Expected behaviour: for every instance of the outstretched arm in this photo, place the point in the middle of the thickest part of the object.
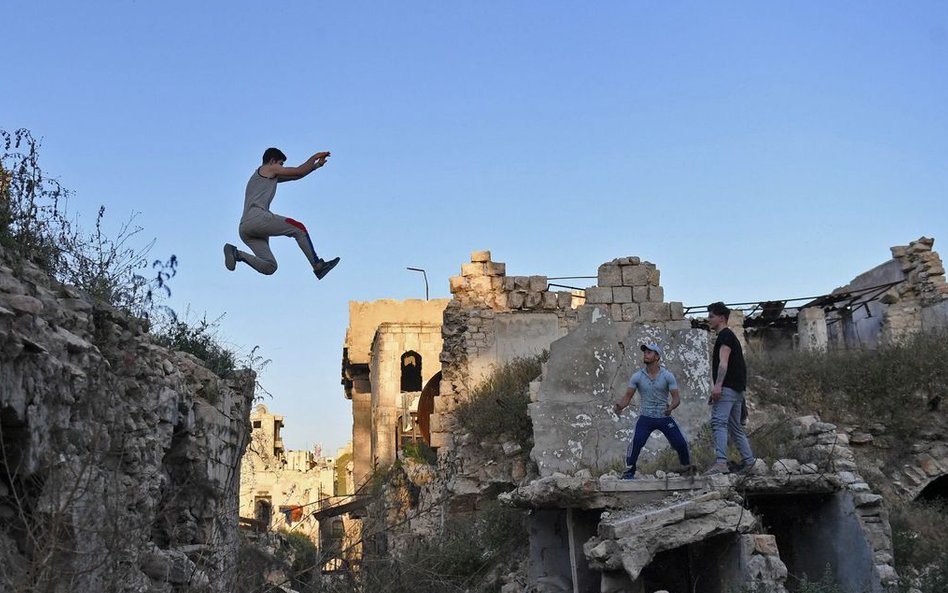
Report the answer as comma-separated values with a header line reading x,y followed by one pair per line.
x,y
293,173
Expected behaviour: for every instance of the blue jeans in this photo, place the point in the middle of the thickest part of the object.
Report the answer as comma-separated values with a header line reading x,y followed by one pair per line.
x,y
725,421
644,427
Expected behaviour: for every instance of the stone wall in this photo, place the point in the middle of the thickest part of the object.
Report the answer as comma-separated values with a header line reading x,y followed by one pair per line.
x,y
492,319
917,303
119,459
379,333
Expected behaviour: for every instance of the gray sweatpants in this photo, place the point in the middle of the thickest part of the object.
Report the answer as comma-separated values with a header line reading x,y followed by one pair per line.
x,y
256,230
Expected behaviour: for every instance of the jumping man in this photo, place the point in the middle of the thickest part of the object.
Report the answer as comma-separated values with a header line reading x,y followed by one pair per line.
x,y
258,224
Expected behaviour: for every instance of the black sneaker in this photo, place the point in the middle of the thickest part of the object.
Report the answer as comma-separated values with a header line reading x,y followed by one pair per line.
x,y
628,474
323,267
230,256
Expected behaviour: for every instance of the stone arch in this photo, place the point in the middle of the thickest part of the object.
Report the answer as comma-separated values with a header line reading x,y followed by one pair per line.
x,y
410,371
426,406
922,470
263,512
935,490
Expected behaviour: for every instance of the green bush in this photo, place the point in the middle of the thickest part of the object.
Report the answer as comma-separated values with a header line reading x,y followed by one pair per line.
x,y
201,340
35,227
458,560
498,406
920,544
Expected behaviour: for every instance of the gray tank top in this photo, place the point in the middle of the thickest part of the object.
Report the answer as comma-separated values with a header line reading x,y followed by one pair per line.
x,y
260,192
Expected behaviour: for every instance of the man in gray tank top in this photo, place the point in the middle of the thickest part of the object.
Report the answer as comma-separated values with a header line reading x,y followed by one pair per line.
x,y
258,224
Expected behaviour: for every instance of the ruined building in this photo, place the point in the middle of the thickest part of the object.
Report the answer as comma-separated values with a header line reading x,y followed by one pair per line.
x,y
591,532
282,489
390,370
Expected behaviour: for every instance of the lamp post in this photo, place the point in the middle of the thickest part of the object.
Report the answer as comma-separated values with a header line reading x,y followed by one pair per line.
x,y
426,279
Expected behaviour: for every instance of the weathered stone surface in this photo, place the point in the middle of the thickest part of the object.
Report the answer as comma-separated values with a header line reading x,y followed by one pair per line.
x,y
149,439
610,275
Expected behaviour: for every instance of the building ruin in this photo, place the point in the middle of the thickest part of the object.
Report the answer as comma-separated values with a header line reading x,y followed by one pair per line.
x,y
592,339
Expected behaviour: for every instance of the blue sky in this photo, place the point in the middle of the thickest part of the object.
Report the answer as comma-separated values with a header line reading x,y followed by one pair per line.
x,y
751,150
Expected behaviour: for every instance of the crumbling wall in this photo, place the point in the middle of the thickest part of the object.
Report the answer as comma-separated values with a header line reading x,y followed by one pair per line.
x,y
919,302
119,459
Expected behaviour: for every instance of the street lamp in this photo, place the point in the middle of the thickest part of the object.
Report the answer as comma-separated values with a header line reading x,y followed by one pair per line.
x,y
426,279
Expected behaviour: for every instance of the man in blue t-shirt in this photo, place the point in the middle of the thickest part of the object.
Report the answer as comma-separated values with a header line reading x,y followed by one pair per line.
x,y
655,384
729,380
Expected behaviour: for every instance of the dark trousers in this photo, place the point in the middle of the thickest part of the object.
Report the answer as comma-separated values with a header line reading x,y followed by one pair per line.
x,y
644,427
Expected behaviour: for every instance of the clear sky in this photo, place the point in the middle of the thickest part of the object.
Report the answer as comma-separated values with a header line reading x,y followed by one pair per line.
x,y
751,150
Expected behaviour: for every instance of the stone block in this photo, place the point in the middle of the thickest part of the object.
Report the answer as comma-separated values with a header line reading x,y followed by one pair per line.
x,y
508,283
473,269
598,295
656,294
677,310
653,276
549,300
655,311
610,275
500,300
522,282
765,544
496,283
481,284
634,276
615,311
441,440
532,300
640,294
630,311
480,256
538,283
496,269
563,299
515,299
621,294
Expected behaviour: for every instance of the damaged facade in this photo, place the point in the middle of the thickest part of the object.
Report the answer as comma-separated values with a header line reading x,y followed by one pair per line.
x,y
591,533
281,489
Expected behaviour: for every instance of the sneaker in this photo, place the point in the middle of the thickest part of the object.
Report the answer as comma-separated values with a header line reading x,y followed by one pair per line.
x,y
230,256
717,468
323,267
748,467
628,474
686,470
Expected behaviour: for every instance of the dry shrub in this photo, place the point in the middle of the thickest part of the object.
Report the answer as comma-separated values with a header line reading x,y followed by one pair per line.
x,y
497,408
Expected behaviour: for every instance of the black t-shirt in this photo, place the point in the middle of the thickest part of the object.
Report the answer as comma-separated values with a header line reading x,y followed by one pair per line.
x,y
736,376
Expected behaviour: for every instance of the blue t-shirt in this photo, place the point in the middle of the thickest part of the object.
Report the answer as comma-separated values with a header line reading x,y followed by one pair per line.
x,y
653,392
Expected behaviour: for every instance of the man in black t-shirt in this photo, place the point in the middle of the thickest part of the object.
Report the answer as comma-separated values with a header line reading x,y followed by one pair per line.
x,y
729,376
